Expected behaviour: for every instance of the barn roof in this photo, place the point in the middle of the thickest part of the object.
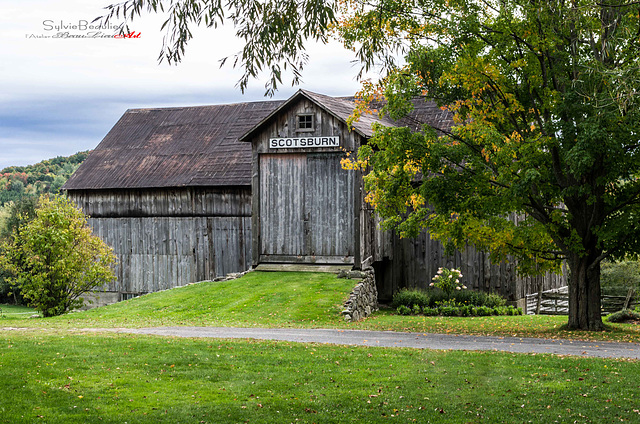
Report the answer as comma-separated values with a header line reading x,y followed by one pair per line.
x,y
174,147
199,146
340,107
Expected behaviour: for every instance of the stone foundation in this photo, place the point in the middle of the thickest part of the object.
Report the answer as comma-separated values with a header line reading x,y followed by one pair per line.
x,y
363,300
99,298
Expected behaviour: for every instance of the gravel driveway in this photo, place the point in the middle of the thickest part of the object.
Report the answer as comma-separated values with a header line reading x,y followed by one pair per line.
x,y
396,339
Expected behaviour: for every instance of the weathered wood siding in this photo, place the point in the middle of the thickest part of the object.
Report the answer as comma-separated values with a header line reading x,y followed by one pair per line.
x,y
414,262
160,253
281,203
304,202
166,239
231,201
329,206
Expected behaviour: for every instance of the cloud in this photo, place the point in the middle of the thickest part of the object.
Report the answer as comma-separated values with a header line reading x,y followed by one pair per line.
x,y
61,96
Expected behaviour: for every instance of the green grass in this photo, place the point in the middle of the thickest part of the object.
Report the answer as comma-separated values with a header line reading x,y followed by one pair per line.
x,y
14,313
80,378
265,299
542,326
302,300
60,375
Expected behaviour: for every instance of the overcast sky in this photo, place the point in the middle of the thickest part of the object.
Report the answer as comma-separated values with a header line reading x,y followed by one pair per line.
x,y
59,96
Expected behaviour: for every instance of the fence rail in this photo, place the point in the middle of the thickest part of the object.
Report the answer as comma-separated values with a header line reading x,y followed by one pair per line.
x,y
556,302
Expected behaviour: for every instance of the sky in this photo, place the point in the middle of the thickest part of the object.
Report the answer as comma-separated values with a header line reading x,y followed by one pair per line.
x,y
60,95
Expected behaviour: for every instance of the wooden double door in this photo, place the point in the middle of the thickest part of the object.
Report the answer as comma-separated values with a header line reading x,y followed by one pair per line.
x,y
306,208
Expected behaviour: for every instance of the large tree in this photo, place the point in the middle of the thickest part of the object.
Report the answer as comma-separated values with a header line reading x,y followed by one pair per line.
x,y
544,95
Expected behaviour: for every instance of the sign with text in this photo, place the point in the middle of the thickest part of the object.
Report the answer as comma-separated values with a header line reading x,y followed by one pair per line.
x,y
304,142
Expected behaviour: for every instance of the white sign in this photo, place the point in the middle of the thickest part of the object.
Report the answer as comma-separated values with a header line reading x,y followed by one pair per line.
x,y
304,142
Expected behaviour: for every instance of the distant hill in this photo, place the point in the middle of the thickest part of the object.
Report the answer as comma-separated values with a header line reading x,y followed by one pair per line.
x,y
47,176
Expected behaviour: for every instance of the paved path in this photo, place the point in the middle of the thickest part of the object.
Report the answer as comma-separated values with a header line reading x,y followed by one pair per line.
x,y
396,339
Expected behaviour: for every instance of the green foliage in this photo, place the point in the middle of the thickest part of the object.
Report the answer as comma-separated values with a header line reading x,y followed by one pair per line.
x,y
404,310
617,278
410,297
623,316
54,258
493,300
448,280
544,100
464,303
48,176
16,215
482,311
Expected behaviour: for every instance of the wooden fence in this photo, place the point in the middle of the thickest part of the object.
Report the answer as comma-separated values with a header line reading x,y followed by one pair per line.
x,y
556,302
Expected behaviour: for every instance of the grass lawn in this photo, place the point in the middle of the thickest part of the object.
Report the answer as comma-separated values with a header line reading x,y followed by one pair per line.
x,y
15,312
79,378
55,374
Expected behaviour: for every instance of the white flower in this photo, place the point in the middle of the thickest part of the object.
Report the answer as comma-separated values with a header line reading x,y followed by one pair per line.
x,y
457,281
431,285
464,287
450,276
439,271
460,275
458,288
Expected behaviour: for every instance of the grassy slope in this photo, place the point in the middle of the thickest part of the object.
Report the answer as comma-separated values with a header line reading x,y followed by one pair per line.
x,y
258,299
297,300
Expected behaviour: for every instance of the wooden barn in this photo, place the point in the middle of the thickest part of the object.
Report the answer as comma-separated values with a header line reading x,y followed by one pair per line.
x,y
190,194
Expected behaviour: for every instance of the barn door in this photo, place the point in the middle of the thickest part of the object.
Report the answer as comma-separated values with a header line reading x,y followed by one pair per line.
x,y
282,204
306,209
329,206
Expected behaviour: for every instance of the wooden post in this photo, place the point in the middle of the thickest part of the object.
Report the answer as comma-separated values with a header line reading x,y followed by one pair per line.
x,y
628,299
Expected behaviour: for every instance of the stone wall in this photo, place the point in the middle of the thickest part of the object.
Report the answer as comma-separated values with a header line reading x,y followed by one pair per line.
x,y
363,299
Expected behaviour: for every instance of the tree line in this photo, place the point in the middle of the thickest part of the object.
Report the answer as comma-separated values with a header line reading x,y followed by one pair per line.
x,y
48,176
48,256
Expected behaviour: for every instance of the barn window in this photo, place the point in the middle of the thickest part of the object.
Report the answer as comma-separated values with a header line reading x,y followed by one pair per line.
x,y
304,122
127,296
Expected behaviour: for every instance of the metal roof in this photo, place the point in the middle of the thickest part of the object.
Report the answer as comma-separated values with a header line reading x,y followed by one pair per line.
x,y
174,147
199,146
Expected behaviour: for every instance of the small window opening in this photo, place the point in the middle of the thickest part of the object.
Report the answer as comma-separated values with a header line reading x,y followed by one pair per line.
x,y
127,296
305,122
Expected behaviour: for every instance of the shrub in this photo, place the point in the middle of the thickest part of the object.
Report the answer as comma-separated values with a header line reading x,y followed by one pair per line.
x,y
430,312
17,214
623,316
403,310
55,259
470,297
501,310
461,303
449,311
436,297
410,297
482,311
616,278
448,280
493,300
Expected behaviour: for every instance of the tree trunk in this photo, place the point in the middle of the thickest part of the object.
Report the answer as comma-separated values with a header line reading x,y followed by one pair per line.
x,y
584,293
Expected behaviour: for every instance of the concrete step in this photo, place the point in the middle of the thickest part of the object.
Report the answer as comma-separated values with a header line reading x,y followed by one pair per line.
x,y
334,269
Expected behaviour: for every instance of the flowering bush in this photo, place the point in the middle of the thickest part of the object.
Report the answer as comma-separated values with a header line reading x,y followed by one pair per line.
x,y
448,280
